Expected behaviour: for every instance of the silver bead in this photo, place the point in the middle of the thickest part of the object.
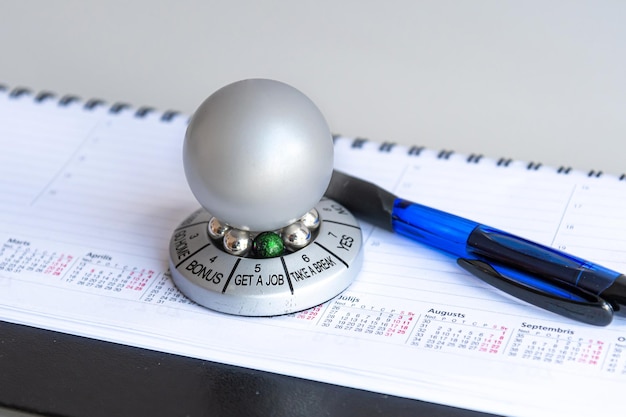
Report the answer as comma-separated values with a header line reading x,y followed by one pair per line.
x,y
216,228
311,220
296,236
237,242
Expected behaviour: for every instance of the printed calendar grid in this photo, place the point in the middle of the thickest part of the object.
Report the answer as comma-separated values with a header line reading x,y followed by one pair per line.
x,y
345,314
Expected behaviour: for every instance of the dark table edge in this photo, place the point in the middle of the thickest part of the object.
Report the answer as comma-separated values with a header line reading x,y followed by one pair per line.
x,y
58,374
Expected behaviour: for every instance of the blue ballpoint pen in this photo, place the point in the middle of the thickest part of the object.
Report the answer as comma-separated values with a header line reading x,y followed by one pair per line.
x,y
537,274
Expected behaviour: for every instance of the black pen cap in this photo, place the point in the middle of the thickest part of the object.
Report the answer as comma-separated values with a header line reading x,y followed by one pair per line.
x,y
616,294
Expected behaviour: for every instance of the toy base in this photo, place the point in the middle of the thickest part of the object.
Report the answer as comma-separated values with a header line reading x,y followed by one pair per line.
x,y
296,281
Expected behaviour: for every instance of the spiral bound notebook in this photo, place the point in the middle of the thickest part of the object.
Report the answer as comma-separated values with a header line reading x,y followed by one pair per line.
x,y
91,192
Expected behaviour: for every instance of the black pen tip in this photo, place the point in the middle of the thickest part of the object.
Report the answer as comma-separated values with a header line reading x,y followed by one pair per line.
x,y
364,199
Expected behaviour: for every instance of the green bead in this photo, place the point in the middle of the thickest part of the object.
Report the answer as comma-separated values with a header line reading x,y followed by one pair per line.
x,y
268,245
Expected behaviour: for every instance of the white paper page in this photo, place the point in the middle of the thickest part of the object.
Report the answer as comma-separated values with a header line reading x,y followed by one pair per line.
x,y
89,200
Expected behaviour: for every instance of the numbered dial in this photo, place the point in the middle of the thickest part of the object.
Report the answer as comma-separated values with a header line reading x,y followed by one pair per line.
x,y
273,286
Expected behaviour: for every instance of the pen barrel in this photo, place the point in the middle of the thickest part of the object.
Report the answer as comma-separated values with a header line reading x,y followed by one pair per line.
x,y
468,239
542,261
432,227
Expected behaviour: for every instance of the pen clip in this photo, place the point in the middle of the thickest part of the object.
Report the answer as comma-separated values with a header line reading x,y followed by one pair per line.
x,y
555,296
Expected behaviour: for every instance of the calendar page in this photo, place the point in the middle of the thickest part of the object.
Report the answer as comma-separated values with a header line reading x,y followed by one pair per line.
x,y
90,200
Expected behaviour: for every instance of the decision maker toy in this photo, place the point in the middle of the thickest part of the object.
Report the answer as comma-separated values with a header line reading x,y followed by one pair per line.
x,y
258,156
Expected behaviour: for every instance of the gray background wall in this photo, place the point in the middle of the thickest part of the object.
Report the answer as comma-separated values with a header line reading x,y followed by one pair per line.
x,y
531,80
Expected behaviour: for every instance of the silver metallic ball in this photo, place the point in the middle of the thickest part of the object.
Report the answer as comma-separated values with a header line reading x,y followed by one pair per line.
x,y
296,236
216,228
311,219
258,154
237,242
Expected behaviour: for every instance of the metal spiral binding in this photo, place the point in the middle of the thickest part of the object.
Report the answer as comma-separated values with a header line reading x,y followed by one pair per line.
x,y
504,162
88,105
444,154
358,143
169,115
415,150
386,147
533,166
